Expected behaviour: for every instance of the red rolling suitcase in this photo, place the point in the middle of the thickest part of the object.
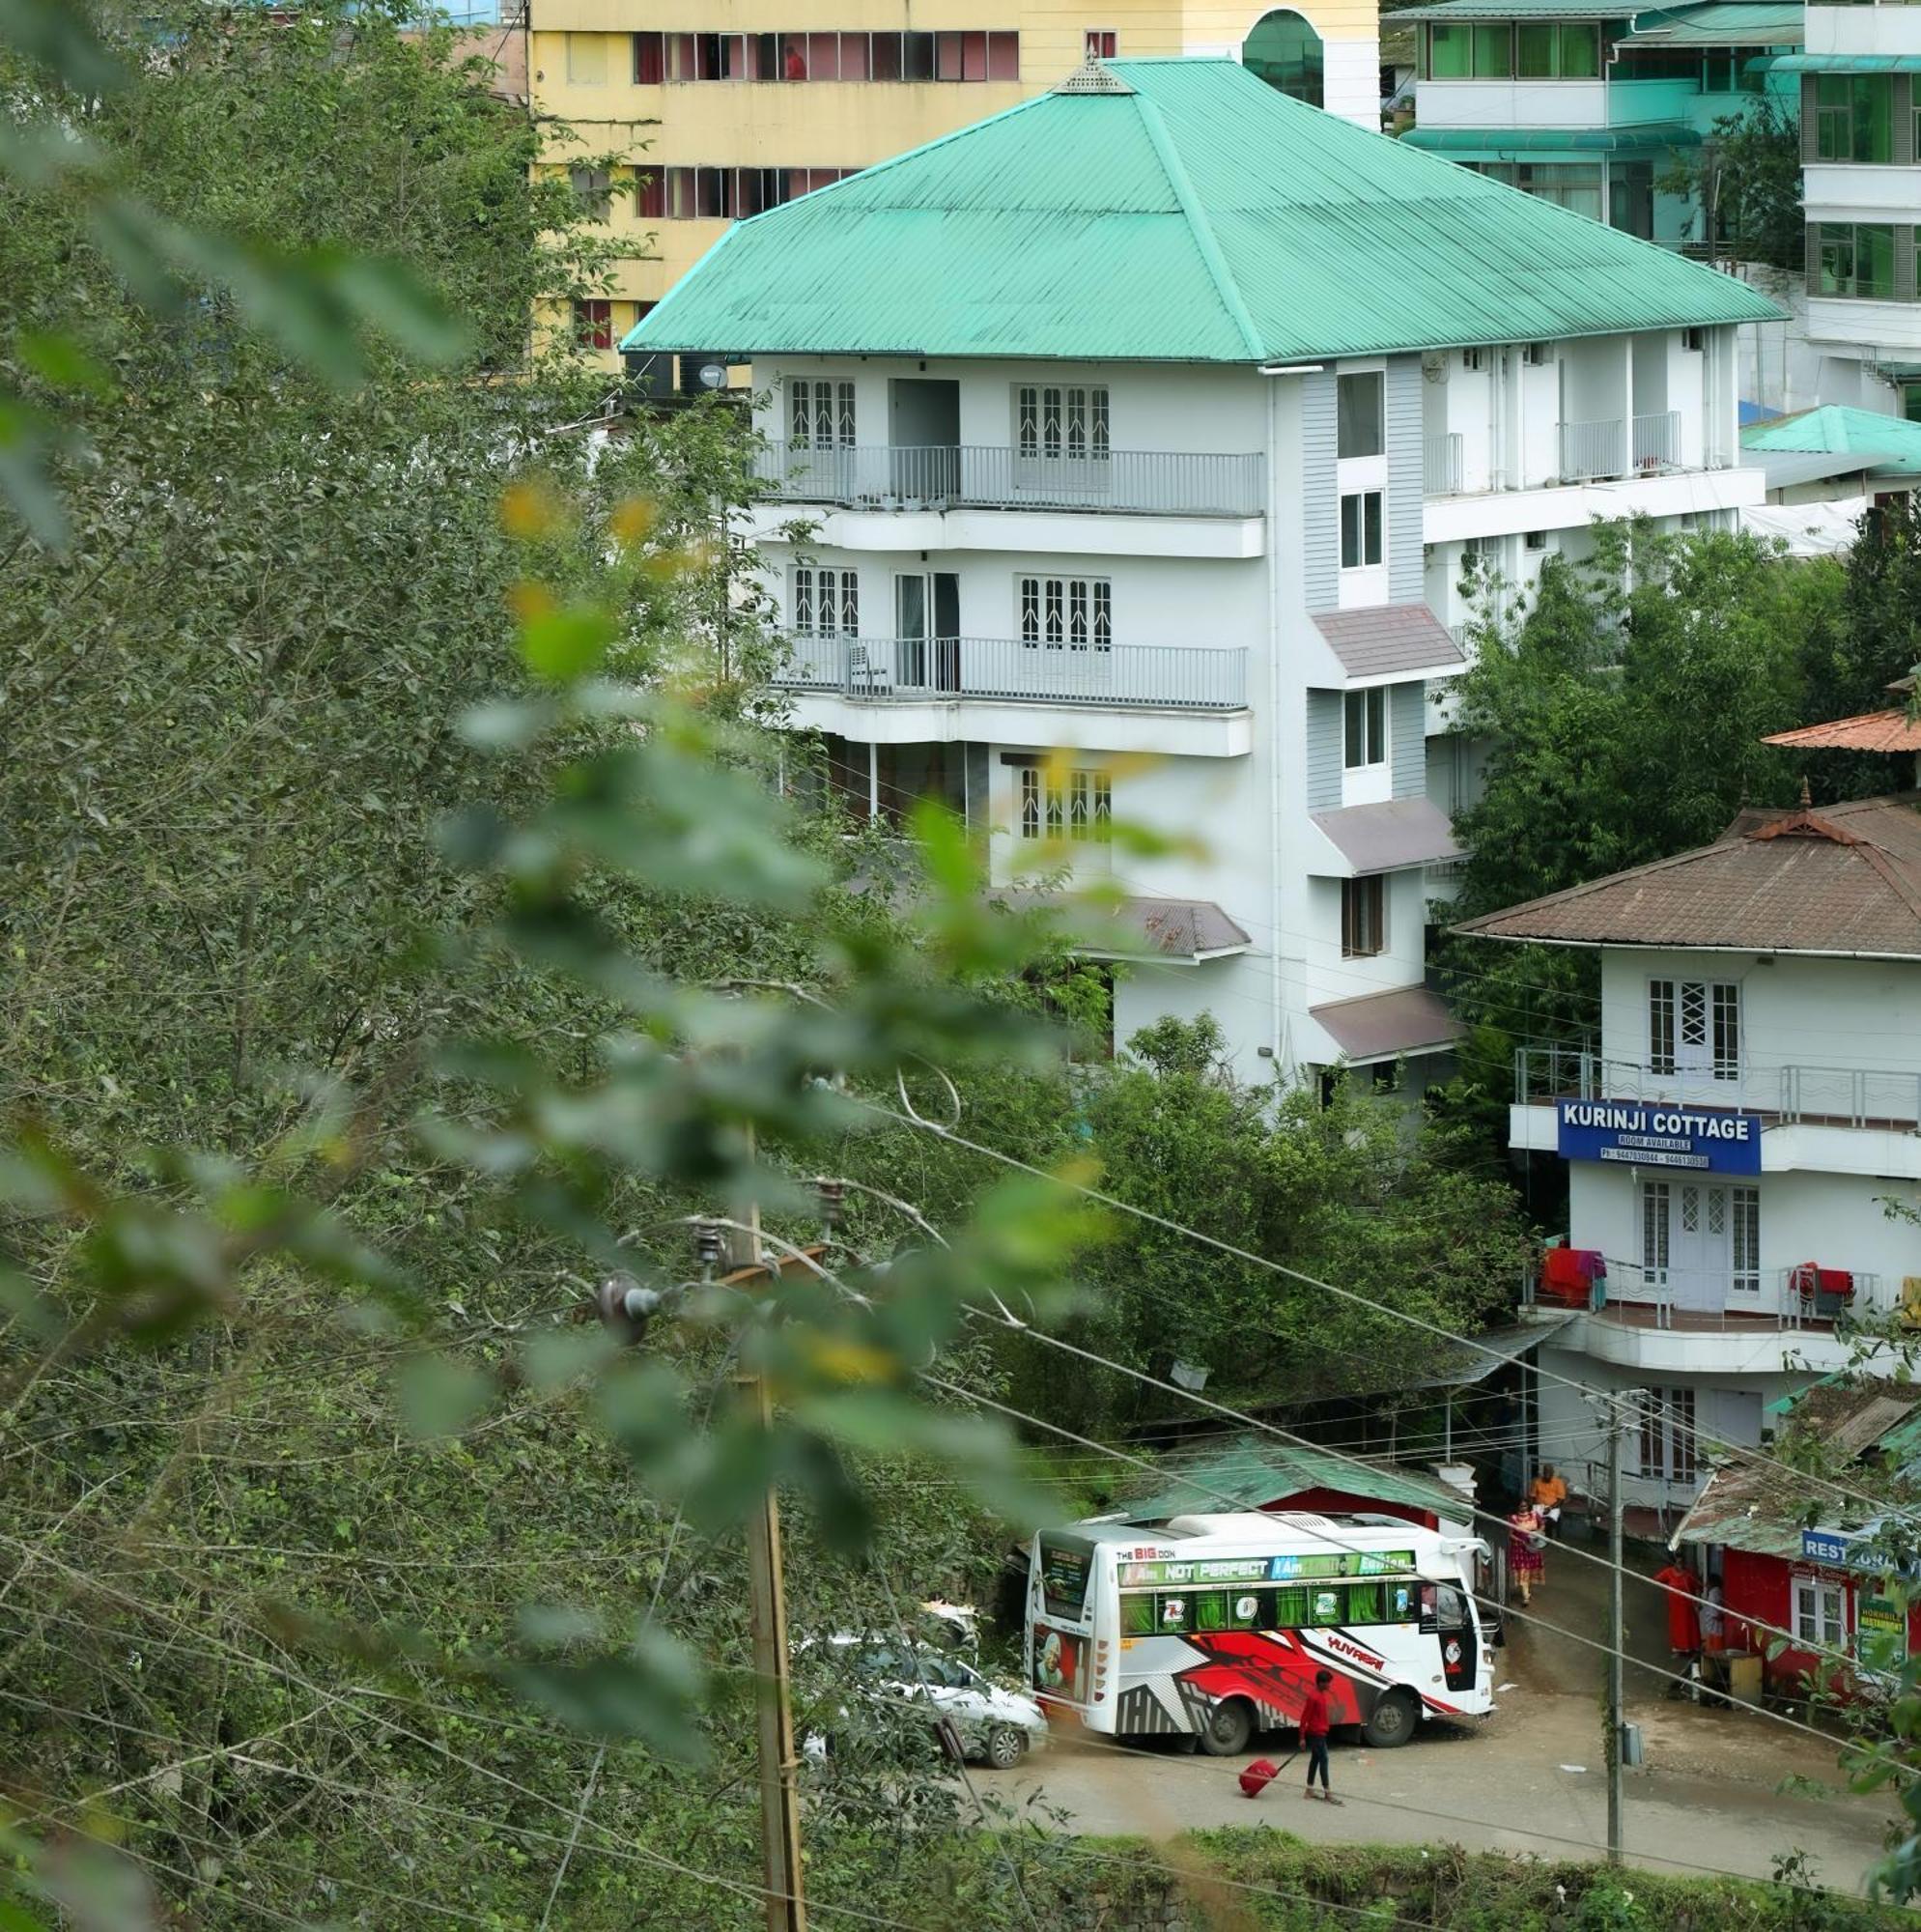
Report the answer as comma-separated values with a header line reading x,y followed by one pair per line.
x,y
1258,1775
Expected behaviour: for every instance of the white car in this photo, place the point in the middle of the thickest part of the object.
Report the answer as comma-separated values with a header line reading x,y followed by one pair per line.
x,y
978,1718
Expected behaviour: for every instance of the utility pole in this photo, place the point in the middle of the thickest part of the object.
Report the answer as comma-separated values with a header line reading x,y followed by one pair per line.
x,y
779,1766
1616,1730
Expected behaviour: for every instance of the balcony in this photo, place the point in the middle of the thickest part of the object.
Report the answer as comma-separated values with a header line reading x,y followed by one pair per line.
x,y
1657,442
1726,1301
1820,1096
921,670
1446,464
1594,452
984,476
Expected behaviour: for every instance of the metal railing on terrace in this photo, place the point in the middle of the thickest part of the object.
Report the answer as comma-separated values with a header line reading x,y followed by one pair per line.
x,y
988,477
1446,464
1169,677
1658,441
1849,1097
1725,1300
1591,452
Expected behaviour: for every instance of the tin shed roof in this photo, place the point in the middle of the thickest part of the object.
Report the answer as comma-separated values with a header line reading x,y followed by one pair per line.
x,y
1255,1471
1844,880
1836,430
1199,217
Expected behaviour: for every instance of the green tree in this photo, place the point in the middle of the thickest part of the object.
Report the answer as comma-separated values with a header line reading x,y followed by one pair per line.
x,y
1747,179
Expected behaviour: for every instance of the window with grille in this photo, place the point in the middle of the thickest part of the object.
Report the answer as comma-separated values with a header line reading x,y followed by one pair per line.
x,y
964,54
1363,918
1364,738
1068,421
1077,806
827,601
1820,1612
1073,613
1694,1025
1655,1200
820,414
1744,1242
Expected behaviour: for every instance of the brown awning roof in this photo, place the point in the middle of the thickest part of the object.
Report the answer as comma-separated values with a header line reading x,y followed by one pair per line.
x,y
1382,837
1388,638
1845,880
1868,731
1410,1019
1178,931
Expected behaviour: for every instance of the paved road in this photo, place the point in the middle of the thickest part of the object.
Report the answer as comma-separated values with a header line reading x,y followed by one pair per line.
x,y
1528,1778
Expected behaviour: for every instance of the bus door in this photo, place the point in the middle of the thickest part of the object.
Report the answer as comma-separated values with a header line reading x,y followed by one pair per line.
x,y
1448,1613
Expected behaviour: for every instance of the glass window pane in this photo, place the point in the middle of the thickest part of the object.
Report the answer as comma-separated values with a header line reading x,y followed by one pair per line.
x,y
1494,52
823,56
1350,532
1874,260
916,56
973,55
1535,50
947,56
1873,118
887,56
854,57
1579,44
1372,510
1360,410
1003,57
1137,1615
1452,51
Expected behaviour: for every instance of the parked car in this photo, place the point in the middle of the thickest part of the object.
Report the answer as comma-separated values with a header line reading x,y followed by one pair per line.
x,y
975,1717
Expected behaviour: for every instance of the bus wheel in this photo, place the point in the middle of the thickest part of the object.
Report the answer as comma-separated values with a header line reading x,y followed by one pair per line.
x,y
1392,1722
1229,1725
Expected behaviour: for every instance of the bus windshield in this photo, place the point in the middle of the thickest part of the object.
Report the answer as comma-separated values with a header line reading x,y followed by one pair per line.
x,y
1065,1564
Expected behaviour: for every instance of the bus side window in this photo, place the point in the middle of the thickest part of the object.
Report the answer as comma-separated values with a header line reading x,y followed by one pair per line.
x,y
1136,1614
1174,1613
1327,1605
1364,1604
1291,1608
1403,1608
1248,1606
1210,1610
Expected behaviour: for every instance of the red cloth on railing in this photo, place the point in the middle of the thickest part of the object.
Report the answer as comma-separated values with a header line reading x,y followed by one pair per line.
x,y
1809,1280
1569,1274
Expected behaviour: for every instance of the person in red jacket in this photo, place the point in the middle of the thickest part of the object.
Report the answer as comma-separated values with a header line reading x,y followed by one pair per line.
x,y
1683,1595
1313,1733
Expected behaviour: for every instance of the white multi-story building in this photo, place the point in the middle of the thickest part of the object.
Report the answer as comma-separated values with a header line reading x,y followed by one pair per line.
x,y
1861,185
1141,435
1743,1139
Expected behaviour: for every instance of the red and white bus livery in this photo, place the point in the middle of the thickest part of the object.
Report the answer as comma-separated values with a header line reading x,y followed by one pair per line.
x,y
1214,1626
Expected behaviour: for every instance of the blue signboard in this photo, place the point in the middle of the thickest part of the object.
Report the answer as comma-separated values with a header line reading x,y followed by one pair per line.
x,y
1825,1546
1659,1133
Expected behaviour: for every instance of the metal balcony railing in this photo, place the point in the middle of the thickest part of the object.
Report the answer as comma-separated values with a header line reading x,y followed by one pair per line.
x,y
1446,464
1592,451
1001,478
1714,1301
1846,1097
1171,677
1658,441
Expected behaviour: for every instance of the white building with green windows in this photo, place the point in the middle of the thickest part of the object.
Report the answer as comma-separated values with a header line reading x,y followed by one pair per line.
x,y
1860,79
1591,109
1138,437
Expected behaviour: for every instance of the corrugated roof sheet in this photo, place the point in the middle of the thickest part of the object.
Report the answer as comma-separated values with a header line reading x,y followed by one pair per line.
x,y
1720,23
1837,430
1258,1471
1179,931
1389,637
1203,217
1512,9
1496,143
1764,1506
1409,1019
1846,880
1782,469
1849,64
1868,731
1394,833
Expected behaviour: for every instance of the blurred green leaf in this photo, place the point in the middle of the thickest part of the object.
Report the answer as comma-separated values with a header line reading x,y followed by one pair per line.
x,y
59,360
560,645
643,1691
56,34
441,1397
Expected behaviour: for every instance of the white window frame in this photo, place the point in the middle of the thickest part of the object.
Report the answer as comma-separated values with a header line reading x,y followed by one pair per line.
x,y
825,601
821,412
1359,497
1814,1597
1059,611
1075,806
1063,422
1371,887
1744,1240
1369,707
1694,1026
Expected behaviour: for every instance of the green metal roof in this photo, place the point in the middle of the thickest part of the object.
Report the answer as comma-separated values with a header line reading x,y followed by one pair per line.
x,y
1255,1471
1495,144
1849,64
1512,9
1835,430
1173,210
1720,23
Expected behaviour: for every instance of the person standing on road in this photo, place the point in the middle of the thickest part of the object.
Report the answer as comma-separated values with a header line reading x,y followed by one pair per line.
x,y
1549,1494
1524,1560
1683,1595
1314,1724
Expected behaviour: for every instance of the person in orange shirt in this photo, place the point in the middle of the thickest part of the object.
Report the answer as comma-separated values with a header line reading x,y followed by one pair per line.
x,y
1547,1493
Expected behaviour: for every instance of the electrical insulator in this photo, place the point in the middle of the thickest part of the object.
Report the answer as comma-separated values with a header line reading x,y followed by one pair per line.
x,y
832,1194
625,1306
710,1243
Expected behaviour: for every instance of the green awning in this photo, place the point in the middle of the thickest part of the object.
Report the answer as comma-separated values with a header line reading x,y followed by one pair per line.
x,y
1849,64
1720,24
1501,144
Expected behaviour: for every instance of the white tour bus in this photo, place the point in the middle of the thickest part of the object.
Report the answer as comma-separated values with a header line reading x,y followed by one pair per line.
x,y
1214,1626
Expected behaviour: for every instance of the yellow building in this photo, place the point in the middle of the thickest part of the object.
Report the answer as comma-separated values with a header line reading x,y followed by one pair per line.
x,y
724,108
